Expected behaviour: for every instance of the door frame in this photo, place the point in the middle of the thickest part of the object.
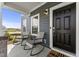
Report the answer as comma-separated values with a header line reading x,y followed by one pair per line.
x,y
38,14
63,4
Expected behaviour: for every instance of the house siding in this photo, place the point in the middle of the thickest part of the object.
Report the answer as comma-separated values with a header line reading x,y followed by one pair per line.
x,y
44,20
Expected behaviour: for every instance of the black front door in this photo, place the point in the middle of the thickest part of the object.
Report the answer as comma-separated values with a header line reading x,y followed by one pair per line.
x,y
64,28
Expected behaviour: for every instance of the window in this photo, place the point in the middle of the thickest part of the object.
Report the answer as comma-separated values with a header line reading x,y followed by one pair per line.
x,y
35,24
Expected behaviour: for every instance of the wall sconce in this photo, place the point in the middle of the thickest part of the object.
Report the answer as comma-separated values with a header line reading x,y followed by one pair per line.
x,y
46,12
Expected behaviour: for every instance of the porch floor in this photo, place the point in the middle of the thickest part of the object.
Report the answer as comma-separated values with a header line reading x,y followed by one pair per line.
x,y
18,51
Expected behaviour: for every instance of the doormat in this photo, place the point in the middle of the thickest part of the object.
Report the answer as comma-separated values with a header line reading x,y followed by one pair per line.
x,y
53,53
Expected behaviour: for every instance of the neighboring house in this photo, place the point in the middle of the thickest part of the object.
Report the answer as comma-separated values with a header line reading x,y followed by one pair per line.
x,y
59,21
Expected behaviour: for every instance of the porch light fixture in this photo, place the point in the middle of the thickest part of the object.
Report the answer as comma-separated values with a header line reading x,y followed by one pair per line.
x,y
46,12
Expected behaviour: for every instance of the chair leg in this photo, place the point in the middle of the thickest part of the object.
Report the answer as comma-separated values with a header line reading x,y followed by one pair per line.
x,y
31,54
31,51
22,42
27,48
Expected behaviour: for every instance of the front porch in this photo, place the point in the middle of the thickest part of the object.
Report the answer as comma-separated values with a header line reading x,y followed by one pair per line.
x,y
18,51
39,17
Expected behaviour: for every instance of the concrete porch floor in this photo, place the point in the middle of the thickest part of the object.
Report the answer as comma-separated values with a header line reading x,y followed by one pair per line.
x,y
18,51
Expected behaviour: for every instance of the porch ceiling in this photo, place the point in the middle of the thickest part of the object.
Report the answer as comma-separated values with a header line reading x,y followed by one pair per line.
x,y
25,7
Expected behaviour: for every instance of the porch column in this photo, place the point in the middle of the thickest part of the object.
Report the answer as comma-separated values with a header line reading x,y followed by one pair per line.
x,y
28,24
2,28
1,13
24,24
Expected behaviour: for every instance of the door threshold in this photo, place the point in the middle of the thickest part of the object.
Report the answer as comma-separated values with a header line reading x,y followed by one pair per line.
x,y
64,52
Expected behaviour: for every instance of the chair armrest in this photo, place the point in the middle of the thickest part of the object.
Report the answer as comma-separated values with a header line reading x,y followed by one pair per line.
x,y
37,39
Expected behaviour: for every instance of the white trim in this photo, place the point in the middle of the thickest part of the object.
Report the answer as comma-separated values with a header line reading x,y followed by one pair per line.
x,y
38,22
1,5
51,28
77,29
5,6
38,6
51,24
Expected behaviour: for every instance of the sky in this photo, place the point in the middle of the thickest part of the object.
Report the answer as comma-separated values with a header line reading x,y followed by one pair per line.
x,y
11,19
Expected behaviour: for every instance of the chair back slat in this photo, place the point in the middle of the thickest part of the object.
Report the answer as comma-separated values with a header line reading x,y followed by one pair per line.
x,y
40,35
25,35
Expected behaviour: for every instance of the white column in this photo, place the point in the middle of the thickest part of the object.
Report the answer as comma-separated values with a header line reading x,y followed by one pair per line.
x,y
1,13
77,29
24,24
2,28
